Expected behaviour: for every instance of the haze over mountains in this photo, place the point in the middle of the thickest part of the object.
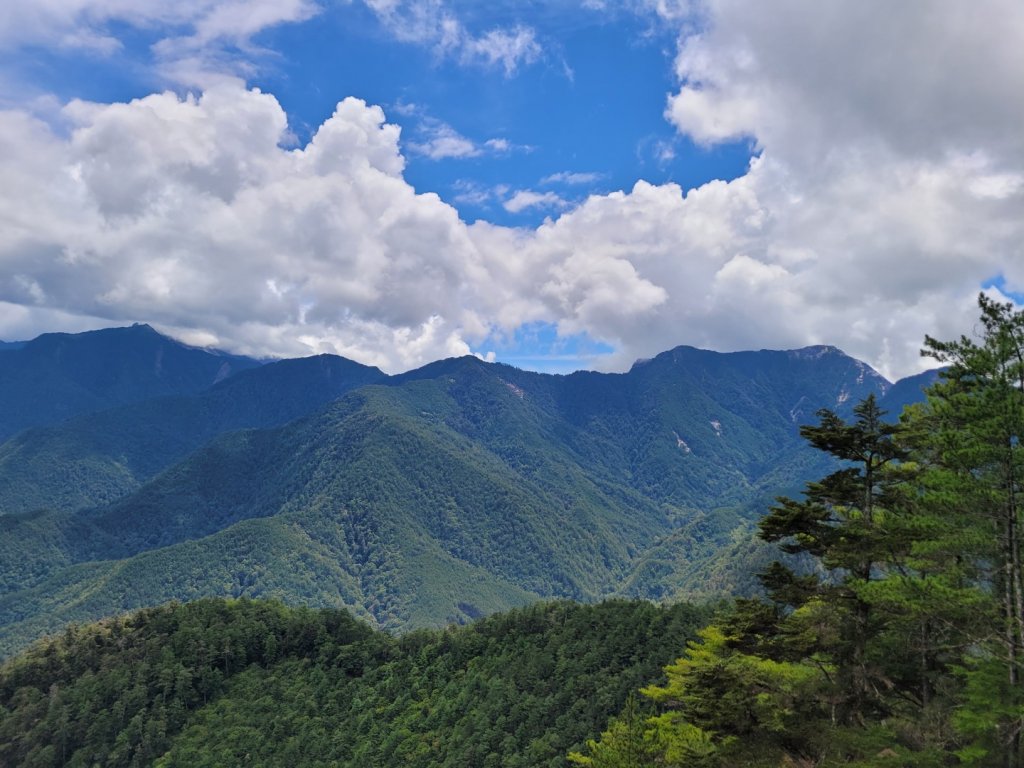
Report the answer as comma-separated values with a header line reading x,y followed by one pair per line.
x,y
138,470
58,375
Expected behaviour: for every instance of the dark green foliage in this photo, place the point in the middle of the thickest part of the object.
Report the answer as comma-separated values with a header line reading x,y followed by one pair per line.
x,y
115,693
218,683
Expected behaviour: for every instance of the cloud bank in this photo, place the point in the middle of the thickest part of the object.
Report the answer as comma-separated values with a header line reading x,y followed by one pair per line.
x,y
888,187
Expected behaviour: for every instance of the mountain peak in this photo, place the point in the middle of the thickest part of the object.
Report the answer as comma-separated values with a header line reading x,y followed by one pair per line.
x,y
686,353
115,334
814,351
674,355
448,367
59,375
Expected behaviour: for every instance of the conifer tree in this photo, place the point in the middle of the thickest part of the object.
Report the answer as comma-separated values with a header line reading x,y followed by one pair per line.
x,y
799,680
898,638
973,424
845,522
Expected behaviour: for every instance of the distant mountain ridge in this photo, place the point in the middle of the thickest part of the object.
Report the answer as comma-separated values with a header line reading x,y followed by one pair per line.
x,y
107,454
59,375
437,495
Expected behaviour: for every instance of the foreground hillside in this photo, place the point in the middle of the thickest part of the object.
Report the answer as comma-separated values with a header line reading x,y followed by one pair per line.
x,y
230,683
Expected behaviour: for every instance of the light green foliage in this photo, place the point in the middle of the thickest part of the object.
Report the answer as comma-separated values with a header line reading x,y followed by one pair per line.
x,y
629,742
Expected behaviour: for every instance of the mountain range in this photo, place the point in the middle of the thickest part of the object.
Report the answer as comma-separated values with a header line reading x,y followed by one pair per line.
x,y
137,470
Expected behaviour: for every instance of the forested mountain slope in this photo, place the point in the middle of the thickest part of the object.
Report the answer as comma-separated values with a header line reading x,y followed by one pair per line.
x,y
100,456
420,524
97,457
226,684
436,496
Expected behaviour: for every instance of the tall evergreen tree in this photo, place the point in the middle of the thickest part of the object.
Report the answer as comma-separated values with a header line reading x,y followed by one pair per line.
x,y
844,521
800,680
973,424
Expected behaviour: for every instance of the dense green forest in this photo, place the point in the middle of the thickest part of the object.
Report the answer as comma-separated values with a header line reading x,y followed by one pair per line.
x,y
230,683
905,645
441,495
889,629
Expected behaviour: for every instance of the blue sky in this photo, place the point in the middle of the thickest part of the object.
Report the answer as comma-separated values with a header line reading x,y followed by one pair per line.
x,y
585,116
611,179
1000,284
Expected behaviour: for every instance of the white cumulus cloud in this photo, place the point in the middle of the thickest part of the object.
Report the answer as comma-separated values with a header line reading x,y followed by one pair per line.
x,y
888,187
434,24
199,40
190,212
523,199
